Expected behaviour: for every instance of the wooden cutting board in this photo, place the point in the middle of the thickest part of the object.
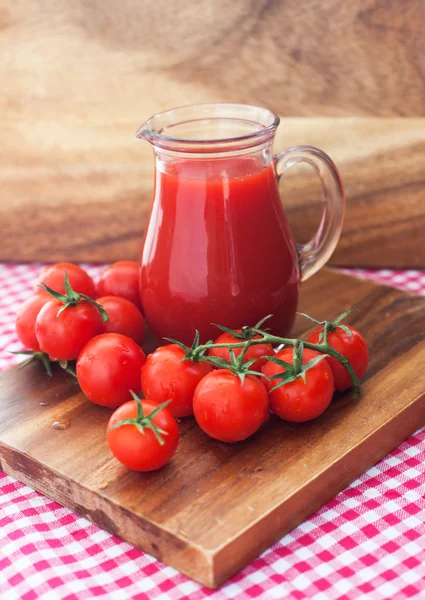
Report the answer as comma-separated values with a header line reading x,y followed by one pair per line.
x,y
215,507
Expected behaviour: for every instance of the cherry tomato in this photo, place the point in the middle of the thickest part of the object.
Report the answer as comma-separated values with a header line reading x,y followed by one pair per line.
x,y
352,346
227,409
63,336
257,351
123,317
300,400
166,377
80,281
109,367
26,317
142,451
121,279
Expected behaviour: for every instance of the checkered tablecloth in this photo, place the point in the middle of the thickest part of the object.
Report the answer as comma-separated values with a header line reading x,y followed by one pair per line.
x,y
369,542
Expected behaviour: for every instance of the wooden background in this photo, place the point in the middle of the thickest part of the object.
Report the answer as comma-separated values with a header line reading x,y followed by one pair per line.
x,y
79,77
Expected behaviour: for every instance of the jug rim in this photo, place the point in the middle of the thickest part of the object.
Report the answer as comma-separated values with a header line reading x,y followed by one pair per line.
x,y
257,126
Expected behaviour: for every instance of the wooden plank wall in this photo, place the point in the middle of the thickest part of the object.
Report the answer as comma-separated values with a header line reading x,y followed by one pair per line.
x,y
79,77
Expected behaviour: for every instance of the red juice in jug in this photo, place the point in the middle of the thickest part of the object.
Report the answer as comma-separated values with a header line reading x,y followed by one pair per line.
x,y
218,249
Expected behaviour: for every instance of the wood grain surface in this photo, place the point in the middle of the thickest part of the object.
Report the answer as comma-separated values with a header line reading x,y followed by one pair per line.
x,y
82,191
382,163
79,77
216,506
99,60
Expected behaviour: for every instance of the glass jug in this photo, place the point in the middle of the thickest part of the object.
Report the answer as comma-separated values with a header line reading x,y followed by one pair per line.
x,y
217,248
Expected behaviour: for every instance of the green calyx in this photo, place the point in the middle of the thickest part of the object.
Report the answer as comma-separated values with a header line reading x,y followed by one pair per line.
x,y
237,366
72,298
246,333
191,353
143,421
295,370
64,364
330,326
38,356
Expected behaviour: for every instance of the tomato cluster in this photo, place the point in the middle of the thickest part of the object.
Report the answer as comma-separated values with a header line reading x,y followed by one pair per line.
x,y
230,386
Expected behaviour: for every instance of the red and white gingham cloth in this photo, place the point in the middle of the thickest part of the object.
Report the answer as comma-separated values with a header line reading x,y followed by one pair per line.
x,y
369,542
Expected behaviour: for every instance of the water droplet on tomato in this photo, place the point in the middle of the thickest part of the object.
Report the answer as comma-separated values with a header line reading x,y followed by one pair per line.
x,y
60,425
103,485
44,404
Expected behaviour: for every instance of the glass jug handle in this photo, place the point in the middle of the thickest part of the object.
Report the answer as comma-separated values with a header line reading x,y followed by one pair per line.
x,y
315,253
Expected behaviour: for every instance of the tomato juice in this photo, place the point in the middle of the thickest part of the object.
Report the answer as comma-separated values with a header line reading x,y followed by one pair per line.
x,y
218,249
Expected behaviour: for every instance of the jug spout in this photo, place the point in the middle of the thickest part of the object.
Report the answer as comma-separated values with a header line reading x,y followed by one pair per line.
x,y
210,128
143,132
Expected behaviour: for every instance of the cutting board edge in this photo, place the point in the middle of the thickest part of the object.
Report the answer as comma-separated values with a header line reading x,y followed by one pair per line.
x,y
362,448
17,464
211,566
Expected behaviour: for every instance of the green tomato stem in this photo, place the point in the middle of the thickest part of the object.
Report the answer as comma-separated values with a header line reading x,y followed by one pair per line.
x,y
323,348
